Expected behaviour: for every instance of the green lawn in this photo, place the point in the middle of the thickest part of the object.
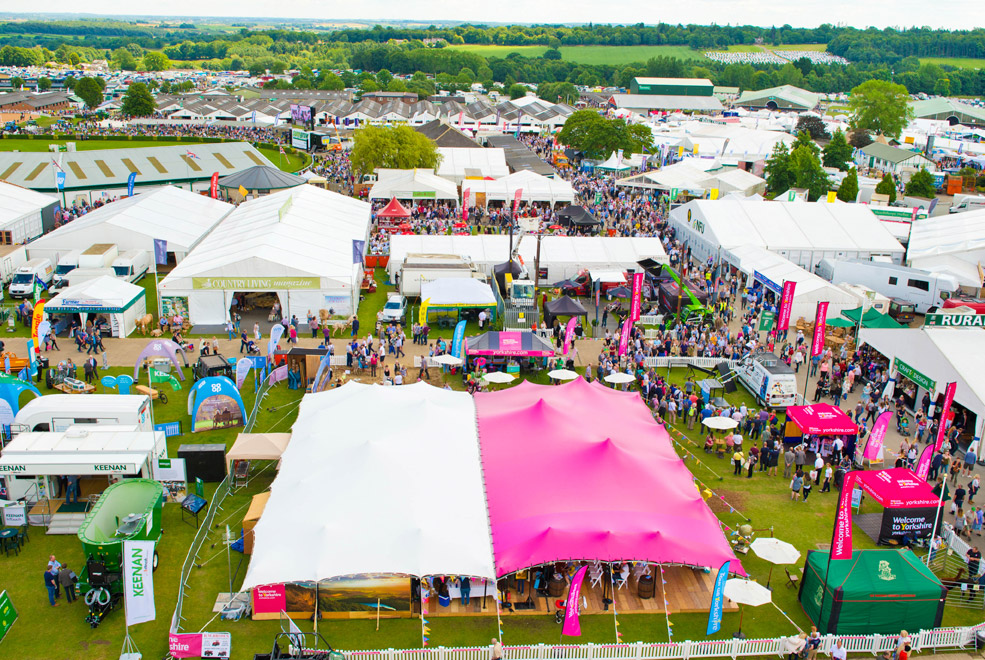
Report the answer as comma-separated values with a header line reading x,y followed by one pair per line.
x,y
817,47
614,55
753,48
958,62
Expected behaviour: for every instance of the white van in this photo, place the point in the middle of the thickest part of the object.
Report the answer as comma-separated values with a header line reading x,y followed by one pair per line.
x,y
968,204
66,264
57,412
22,286
769,379
920,288
132,265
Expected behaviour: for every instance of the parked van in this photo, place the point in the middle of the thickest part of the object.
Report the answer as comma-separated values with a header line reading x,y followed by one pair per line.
x,y
66,264
22,286
57,412
771,380
968,204
918,287
12,257
99,255
132,265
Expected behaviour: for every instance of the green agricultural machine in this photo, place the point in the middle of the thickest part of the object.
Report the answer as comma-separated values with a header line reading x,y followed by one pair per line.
x,y
129,510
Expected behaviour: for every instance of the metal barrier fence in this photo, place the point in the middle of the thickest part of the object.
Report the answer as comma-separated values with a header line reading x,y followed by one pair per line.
x,y
699,362
925,640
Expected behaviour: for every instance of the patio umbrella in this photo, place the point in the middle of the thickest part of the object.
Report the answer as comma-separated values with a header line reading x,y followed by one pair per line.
x,y
498,377
775,552
619,292
720,423
562,374
746,592
554,227
447,359
459,225
619,377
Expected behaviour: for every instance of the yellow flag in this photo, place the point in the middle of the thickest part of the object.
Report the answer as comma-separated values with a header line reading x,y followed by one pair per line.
x,y
694,149
243,191
714,193
680,151
423,316
832,196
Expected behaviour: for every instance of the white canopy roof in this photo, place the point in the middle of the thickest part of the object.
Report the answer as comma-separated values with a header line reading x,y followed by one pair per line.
x,y
16,202
613,162
178,216
99,294
303,231
965,272
457,291
455,161
533,187
379,513
959,234
412,184
700,174
83,450
942,354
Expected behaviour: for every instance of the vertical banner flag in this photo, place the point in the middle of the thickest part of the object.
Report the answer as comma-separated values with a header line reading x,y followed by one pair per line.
x,y
422,316
465,204
243,192
276,333
717,601
569,334
636,303
160,251
138,581
36,322
786,305
945,411
130,181
357,251
214,186
242,368
923,464
820,320
572,625
39,286
873,448
516,200
841,540
456,341
627,325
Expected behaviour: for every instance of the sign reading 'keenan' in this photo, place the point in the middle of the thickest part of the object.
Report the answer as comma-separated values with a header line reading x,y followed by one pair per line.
x,y
956,320
255,283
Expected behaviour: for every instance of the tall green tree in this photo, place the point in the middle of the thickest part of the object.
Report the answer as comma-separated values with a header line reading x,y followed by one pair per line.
x,y
848,190
399,147
598,137
880,106
804,140
887,187
779,176
813,125
155,61
517,91
90,91
808,173
138,101
44,84
123,59
921,184
837,152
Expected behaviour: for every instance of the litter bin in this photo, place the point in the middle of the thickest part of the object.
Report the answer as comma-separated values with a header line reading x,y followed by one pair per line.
x,y
980,640
42,366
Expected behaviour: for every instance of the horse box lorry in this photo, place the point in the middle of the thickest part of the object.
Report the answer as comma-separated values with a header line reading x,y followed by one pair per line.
x,y
920,288
57,412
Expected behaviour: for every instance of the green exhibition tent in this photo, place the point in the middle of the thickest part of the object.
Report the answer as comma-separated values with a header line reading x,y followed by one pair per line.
x,y
837,322
876,591
872,319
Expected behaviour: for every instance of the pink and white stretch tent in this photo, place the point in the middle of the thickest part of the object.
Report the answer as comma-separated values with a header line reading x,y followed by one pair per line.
x,y
618,491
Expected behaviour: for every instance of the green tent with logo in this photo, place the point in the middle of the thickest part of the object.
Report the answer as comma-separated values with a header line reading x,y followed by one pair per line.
x,y
876,591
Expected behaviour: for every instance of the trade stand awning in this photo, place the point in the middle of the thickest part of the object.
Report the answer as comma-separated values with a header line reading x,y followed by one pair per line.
x,y
897,488
871,319
457,292
821,419
509,343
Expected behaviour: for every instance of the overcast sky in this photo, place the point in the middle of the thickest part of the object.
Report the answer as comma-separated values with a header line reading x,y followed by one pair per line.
x,y
958,14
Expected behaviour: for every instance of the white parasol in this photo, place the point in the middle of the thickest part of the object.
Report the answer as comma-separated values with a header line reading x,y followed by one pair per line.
x,y
498,377
775,551
619,377
720,423
562,374
448,359
746,592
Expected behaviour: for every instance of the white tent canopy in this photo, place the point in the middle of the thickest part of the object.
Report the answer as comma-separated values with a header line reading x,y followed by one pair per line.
x,y
457,163
121,301
773,270
178,216
21,212
967,273
417,184
959,234
613,163
532,186
296,242
943,355
378,515
457,292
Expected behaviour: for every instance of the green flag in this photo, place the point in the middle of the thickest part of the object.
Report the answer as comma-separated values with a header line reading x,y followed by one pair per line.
x,y
766,321
37,289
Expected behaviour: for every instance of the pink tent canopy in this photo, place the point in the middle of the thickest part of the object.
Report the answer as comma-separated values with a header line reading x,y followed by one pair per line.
x,y
898,488
614,490
821,419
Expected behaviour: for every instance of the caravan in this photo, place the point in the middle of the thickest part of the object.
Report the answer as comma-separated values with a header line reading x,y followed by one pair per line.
x,y
922,289
132,265
57,412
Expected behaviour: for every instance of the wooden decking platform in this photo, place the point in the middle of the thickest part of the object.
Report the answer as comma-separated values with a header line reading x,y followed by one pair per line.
x,y
687,590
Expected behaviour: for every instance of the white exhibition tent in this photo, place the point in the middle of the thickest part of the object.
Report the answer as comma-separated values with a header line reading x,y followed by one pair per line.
x,y
533,187
803,233
562,256
177,216
353,502
459,163
21,212
297,243
419,184
613,163
943,355
772,270
699,176
122,302
960,235
457,292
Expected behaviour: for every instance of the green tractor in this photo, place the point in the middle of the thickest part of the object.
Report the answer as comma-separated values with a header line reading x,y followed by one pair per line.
x,y
128,510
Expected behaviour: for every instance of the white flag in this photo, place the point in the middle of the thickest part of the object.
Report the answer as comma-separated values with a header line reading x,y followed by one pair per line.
x,y
138,581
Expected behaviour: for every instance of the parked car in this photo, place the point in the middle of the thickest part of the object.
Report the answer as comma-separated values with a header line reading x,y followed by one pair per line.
x,y
395,308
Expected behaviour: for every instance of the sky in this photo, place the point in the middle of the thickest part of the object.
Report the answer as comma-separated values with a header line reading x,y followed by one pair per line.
x,y
799,13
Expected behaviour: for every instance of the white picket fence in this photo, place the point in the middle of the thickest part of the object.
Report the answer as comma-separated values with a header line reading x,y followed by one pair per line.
x,y
925,640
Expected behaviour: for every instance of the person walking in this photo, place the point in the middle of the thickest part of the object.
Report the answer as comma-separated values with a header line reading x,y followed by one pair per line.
x,y
796,485
51,584
809,484
496,651
737,461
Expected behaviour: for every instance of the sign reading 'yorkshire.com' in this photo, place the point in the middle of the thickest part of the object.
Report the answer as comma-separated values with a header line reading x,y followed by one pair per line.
x,y
255,283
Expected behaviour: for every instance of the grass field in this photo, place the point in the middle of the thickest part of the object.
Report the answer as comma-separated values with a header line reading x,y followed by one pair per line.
x,y
614,55
958,62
